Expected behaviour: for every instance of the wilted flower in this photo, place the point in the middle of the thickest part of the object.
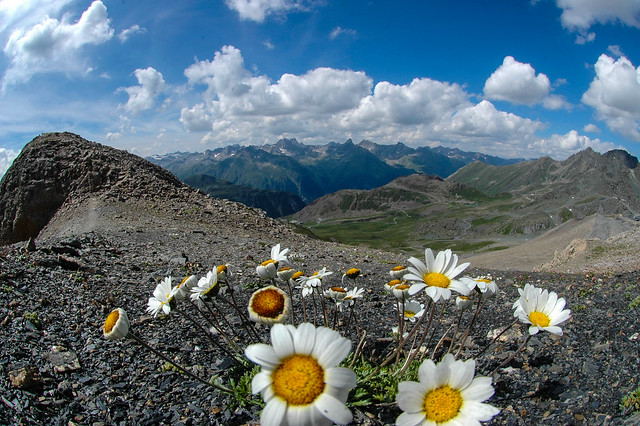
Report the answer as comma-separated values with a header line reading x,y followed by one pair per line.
x,y
335,293
542,309
162,297
463,302
401,291
398,272
116,325
437,275
286,273
300,381
222,271
269,305
267,270
352,273
447,394
207,287
388,287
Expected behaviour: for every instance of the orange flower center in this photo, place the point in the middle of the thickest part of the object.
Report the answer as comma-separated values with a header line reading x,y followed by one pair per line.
x,y
111,321
268,303
442,404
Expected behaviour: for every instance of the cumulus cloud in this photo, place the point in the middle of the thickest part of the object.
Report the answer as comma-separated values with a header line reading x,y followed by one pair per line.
x,y
258,10
327,104
580,15
561,146
517,83
591,128
132,30
6,159
142,97
26,13
55,45
614,94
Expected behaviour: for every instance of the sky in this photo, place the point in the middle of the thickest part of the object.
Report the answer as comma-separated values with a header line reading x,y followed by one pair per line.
x,y
512,78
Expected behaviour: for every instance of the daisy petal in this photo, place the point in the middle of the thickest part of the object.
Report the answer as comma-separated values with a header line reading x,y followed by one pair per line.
x,y
479,390
411,419
333,354
260,381
410,396
304,338
262,354
333,409
340,377
273,412
282,340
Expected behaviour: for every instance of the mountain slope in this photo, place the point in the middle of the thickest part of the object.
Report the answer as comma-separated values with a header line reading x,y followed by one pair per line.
x,y
585,183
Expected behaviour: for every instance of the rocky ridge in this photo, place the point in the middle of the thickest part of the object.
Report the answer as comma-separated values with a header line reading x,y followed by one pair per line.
x,y
108,247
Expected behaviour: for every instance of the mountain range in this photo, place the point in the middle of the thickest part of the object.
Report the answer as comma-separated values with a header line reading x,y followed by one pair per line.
x,y
311,171
480,205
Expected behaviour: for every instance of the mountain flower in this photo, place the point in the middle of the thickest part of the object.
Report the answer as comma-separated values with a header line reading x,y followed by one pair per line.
x,y
267,270
116,326
436,275
412,310
350,297
307,284
222,271
398,272
401,291
447,394
286,273
542,309
277,255
336,293
464,302
162,297
207,287
352,274
388,287
483,285
184,288
300,380
269,305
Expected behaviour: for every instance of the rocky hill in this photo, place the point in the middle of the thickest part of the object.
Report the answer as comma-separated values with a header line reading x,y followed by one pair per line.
x,y
114,225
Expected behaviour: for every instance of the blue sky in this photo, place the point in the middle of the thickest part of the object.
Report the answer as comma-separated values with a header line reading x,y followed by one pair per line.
x,y
503,77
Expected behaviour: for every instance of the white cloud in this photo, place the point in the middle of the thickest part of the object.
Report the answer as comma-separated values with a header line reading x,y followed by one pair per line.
x,y
582,14
26,13
561,146
126,33
196,119
327,104
338,31
143,97
516,82
258,10
6,159
55,45
555,102
591,128
615,95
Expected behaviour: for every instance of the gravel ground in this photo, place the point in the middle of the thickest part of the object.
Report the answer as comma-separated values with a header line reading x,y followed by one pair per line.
x,y
55,295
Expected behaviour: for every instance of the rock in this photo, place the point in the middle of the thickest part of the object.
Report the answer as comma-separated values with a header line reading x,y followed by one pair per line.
x,y
63,360
24,378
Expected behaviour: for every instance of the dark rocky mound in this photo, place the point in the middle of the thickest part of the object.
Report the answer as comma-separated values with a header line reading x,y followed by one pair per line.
x,y
56,167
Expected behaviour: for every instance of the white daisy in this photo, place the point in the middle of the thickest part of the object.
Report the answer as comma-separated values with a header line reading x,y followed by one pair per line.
x,y
350,298
286,273
542,309
269,305
398,272
267,270
437,275
401,291
483,285
162,297
447,394
335,293
300,381
413,310
184,288
277,255
309,283
464,302
207,287
116,326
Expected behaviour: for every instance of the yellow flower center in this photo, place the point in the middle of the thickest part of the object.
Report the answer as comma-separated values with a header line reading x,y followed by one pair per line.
x,y
401,287
436,279
483,280
267,262
111,321
338,289
399,268
297,275
442,404
353,273
299,380
221,268
539,319
268,303
285,268
409,314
